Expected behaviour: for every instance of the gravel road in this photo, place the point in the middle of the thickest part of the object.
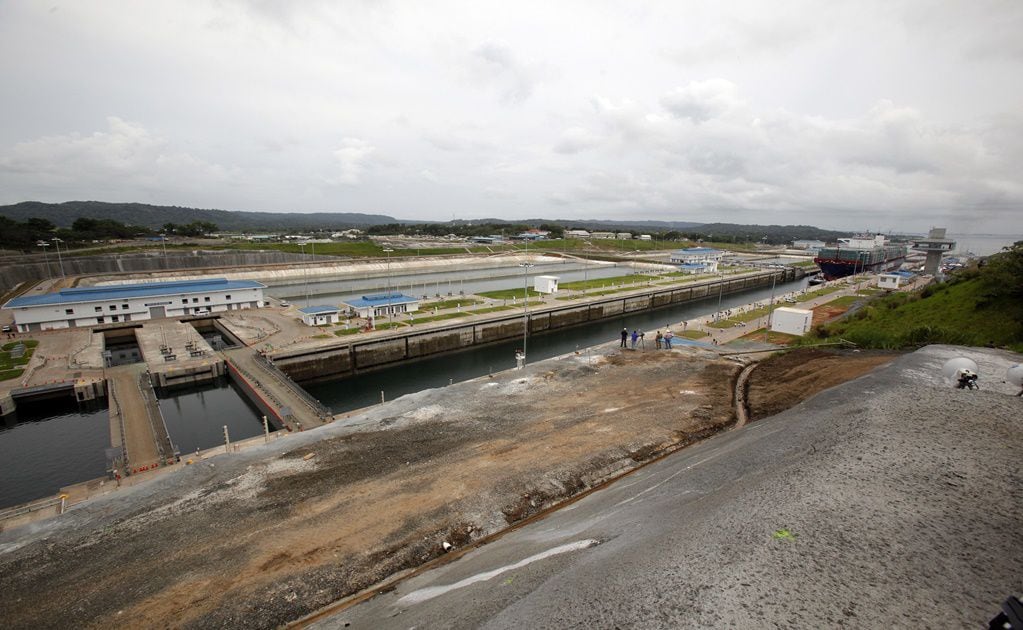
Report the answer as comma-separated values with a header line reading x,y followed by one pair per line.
x,y
891,501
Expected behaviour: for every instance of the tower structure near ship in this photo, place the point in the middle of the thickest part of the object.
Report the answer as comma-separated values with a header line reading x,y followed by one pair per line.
x,y
935,245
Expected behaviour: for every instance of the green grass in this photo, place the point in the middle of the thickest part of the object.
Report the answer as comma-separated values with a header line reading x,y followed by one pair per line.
x,y
347,331
437,318
817,293
494,309
6,375
963,313
601,283
508,294
8,363
446,304
693,334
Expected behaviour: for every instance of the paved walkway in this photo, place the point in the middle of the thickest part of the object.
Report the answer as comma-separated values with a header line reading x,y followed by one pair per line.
x,y
726,335
286,398
139,437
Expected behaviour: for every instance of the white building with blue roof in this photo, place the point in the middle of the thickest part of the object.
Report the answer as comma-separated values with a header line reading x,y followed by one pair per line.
x,y
92,306
894,280
697,259
320,315
383,304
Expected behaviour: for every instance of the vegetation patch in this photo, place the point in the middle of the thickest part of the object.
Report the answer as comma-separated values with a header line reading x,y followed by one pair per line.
x,y
979,306
6,375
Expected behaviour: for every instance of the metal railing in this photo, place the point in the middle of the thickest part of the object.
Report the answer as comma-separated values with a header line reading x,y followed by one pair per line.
x,y
318,408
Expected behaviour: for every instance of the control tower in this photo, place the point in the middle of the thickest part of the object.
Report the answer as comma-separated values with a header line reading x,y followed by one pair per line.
x,y
935,245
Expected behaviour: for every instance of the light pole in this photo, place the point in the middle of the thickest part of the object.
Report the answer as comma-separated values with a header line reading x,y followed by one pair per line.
x,y
525,307
163,239
305,275
57,242
387,251
46,259
770,308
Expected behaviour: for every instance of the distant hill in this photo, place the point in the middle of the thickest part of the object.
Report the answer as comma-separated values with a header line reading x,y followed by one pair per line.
x,y
588,223
64,214
773,233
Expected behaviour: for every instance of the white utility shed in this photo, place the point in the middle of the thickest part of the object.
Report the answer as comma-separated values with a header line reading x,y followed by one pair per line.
x,y
546,284
791,321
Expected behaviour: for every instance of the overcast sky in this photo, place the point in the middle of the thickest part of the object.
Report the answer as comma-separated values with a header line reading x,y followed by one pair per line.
x,y
880,115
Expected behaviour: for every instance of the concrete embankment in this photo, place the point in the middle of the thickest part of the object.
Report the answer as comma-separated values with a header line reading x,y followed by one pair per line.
x,y
320,270
339,360
32,268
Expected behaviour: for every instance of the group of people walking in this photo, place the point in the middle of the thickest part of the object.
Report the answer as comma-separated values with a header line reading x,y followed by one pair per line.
x,y
660,341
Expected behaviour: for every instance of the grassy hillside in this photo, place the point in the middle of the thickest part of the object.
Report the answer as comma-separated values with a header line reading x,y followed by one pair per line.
x,y
979,307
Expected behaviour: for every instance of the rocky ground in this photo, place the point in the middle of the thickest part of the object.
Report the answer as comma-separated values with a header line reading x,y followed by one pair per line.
x,y
259,538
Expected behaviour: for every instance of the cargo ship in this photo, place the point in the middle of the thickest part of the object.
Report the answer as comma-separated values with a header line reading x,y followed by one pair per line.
x,y
858,254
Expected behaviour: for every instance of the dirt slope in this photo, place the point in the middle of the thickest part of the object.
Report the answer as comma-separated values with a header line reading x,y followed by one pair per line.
x,y
786,379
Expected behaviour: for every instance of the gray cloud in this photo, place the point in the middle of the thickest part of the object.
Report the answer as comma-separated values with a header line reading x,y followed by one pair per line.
x,y
898,113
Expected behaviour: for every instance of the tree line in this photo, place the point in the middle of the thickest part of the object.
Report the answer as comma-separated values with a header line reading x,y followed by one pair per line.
x,y
26,235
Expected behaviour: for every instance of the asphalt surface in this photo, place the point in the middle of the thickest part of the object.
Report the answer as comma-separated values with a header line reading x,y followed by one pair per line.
x,y
893,500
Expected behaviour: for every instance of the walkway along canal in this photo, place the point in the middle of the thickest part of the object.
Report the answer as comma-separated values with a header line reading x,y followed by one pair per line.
x,y
353,375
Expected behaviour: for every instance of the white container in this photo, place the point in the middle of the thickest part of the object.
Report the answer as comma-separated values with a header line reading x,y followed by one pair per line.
x,y
791,321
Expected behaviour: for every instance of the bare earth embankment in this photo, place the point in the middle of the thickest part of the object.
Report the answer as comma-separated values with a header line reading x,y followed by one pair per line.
x,y
263,537
260,538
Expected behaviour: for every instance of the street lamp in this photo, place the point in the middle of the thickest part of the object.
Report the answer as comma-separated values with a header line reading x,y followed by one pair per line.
x,y
46,259
57,242
770,308
305,275
163,239
525,307
387,251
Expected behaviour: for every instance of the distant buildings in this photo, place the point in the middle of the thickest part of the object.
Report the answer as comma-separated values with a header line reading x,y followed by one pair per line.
x,y
320,315
577,234
383,304
893,280
808,244
91,306
697,259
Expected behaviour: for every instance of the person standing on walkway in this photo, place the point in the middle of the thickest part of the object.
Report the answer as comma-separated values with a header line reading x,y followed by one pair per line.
x,y
635,338
625,337
668,336
657,340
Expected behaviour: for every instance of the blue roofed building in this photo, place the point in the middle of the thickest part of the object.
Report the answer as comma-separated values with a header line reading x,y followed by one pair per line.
x,y
893,280
320,315
697,259
383,304
91,306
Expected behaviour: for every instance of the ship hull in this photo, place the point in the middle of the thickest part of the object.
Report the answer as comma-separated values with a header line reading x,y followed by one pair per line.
x,y
834,269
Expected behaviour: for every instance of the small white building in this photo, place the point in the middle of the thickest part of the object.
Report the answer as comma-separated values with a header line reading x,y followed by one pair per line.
x,y
546,284
90,306
645,237
320,315
383,304
577,234
894,280
707,259
624,236
602,235
791,321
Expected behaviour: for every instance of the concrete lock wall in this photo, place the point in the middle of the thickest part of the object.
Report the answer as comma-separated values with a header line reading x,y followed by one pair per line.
x,y
331,363
31,268
436,343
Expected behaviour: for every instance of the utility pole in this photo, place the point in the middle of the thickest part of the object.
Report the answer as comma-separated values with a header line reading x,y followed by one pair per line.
x,y
525,307
46,259
57,242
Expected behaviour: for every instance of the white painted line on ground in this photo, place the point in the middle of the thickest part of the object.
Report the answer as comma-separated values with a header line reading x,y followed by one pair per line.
x,y
664,481
430,592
